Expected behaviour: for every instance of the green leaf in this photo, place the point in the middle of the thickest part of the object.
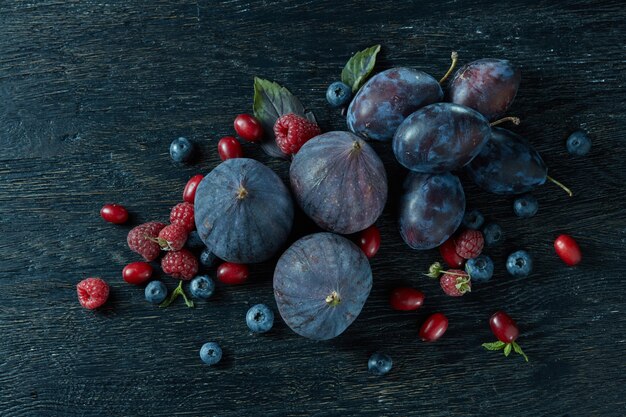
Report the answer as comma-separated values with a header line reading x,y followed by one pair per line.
x,y
434,270
271,100
494,345
359,66
174,295
507,349
519,350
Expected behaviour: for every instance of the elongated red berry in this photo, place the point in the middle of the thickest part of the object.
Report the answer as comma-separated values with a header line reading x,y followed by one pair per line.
x,y
114,213
248,127
448,252
189,193
370,241
434,327
137,273
229,147
92,292
232,273
568,250
503,327
406,299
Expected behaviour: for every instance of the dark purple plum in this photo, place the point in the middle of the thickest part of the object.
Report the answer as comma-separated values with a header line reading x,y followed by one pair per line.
x,y
321,284
487,85
387,99
440,137
243,211
339,181
431,209
508,164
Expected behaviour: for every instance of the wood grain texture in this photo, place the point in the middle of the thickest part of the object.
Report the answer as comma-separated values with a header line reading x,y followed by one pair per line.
x,y
91,94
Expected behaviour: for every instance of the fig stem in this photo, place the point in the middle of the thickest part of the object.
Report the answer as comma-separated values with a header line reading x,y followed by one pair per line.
x,y
567,190
454,56
333,299
241,193
514,120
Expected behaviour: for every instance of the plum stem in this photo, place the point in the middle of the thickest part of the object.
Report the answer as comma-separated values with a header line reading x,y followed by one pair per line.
x,y
333,299
514,120
454,56
241,193
567,190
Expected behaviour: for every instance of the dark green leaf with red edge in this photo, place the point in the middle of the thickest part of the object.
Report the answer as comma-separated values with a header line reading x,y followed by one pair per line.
x,y
359,66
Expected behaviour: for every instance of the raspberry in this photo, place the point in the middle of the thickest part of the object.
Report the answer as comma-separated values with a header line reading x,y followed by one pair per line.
x,y
182,214
455,283
180,264
92,292
172,237
469,244
293,131
141,239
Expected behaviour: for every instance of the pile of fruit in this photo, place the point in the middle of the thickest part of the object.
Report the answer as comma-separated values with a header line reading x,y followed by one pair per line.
x,y
242,213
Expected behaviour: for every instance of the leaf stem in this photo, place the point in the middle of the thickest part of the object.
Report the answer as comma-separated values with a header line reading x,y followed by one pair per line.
x,y
567,190
454,56
174,295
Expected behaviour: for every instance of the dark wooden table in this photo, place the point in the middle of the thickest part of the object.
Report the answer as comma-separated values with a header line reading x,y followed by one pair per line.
x,y
92,93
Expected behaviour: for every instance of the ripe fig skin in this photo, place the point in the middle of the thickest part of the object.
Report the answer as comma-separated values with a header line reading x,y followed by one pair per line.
x,y
386,99
488,86
431,209
508,164
321,283
243,211
339,182
440,137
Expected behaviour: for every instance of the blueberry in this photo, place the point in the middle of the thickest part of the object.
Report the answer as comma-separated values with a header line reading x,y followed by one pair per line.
x,y
525,206
260,318
480,268
519,264
493,234
211,353
155,292
338,94
194,242
207,258
578,143
379,363
181,149
473,219
202,286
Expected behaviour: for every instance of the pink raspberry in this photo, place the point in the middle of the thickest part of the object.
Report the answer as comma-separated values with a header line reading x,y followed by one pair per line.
x,y
92,292
182,214
469,244
142,239
172,237
293,131
180,264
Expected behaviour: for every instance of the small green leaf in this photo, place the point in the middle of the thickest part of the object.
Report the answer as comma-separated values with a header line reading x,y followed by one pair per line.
x,y
507,349
359,66
519,350
434,270
494,345
174,295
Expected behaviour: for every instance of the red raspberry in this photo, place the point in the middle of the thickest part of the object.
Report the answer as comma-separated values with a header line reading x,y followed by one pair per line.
x,y
469,244
182,214
172,237
92,292
142,239
455,285
180,264
293,131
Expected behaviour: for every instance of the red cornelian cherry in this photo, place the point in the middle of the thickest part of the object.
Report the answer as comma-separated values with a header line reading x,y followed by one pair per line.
x,y
229,147
189,193
114,213
568,250
448,252
434,327
370,241
137,273
506,330
248,127
406,299
232,273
